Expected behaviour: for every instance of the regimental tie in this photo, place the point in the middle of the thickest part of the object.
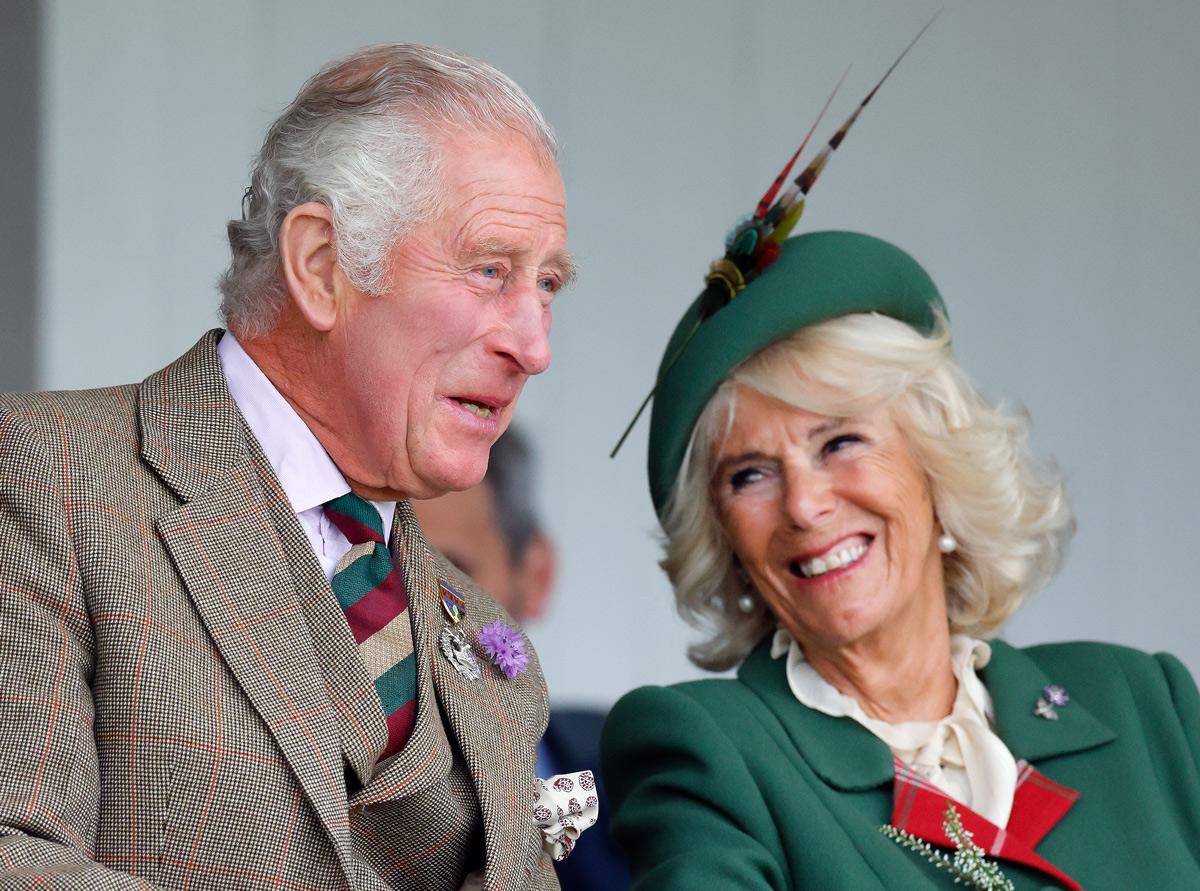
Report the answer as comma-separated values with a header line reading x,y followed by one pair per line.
x,y
370,590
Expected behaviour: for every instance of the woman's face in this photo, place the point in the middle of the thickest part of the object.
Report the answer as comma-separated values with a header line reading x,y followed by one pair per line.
x,y
833,521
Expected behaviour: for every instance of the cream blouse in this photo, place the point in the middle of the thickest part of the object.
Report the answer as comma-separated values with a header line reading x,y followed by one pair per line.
x,y
960,754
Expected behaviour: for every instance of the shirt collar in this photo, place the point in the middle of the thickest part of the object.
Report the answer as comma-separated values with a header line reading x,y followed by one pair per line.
x,y
305,471
966,655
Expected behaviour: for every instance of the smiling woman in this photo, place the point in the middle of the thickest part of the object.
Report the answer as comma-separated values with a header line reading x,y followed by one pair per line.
x,y
873,388
849,519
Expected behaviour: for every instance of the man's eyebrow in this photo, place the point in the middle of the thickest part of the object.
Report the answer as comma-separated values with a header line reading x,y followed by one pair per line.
x,y
564,263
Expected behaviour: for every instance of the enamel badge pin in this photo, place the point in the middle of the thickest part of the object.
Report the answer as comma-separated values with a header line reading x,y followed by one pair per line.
x,y
456,646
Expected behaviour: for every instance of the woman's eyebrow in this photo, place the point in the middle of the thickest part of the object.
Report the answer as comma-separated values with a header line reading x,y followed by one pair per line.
x,y
826,427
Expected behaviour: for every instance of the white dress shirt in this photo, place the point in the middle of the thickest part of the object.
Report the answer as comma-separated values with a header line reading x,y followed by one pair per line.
x,y
960,754
307,473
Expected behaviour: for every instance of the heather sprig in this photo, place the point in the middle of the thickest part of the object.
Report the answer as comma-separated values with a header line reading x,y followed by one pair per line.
x,y
969,865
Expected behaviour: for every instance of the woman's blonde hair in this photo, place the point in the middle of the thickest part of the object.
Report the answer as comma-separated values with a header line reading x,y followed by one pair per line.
x,y
1011,518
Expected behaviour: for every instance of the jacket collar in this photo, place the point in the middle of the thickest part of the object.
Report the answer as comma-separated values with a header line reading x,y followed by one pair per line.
x,y
847,756
842,752
192,432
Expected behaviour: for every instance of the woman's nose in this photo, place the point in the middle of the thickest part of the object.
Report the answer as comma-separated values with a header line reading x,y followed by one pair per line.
x,y
809,497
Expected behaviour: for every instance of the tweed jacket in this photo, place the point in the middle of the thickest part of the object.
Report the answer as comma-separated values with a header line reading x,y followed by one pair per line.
x,y
734,785
181,702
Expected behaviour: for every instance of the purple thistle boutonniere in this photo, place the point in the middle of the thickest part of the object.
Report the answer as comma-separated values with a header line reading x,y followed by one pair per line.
x,y
505,646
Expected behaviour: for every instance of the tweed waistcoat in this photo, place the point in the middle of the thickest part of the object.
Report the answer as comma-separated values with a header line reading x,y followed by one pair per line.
x,y
432,840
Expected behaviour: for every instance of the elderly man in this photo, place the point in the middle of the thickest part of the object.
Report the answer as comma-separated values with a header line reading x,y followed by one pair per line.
x,y
491,532
229,658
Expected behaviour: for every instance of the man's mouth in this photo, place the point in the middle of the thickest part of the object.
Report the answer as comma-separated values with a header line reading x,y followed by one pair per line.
x,y
479,409
840,555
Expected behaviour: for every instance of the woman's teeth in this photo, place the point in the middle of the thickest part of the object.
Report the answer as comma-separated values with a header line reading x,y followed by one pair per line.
x,y
483,411
831,561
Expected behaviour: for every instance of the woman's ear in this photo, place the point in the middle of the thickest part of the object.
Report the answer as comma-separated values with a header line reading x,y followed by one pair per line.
x,y
308,261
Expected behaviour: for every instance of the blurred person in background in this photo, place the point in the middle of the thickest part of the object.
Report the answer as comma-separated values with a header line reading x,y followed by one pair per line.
x,y
492,533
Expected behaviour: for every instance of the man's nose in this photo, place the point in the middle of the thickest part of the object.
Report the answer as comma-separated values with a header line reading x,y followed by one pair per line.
x,y
524,338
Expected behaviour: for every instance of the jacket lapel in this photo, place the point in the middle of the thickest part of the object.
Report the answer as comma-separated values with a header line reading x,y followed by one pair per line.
x,y
232,563
842,752
485,717
1015,682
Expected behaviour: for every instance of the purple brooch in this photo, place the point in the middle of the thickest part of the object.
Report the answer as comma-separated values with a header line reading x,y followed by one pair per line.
x,y
505,646
1053,697
1056,695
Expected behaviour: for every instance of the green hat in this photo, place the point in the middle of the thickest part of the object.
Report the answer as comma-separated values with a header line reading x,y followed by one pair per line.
x,y
816,277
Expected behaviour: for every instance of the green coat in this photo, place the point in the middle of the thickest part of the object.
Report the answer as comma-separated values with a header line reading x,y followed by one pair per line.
x,y
733,784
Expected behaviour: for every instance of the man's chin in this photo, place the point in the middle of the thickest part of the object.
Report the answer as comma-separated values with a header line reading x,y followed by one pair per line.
x,y
450,476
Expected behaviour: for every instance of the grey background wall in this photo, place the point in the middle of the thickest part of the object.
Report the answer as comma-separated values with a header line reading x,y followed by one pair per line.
x,y
1037,156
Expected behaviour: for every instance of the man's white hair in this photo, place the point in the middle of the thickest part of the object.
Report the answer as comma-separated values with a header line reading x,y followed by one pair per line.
x,y
361,138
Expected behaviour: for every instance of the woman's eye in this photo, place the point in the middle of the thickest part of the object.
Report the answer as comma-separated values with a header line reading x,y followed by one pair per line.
x,y
742,478
840,442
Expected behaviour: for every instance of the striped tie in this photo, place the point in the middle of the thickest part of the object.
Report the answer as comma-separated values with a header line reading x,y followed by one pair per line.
x,y
371,591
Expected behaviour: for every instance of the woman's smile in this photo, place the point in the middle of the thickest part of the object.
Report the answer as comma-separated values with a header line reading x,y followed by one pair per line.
x,y
832,562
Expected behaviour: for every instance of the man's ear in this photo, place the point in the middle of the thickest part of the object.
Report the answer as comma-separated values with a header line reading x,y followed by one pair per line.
x,y
535,573
309,264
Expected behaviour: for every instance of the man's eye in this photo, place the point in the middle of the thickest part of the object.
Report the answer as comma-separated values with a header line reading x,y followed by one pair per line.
x,y
742,478
549,283
490,271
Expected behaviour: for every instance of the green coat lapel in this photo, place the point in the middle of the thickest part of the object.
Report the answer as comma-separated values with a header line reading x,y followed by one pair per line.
x,y
1015,682
841,751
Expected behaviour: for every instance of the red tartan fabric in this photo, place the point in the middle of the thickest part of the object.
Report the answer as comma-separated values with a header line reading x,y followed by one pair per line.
x,y
1039,803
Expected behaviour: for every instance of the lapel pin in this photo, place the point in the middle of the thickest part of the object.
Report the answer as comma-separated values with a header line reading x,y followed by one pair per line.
x,y
1053,697
1043,709
453,604
456,646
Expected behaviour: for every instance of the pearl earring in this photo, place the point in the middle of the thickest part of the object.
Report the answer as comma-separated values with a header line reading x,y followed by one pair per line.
x,y
947,543
745,603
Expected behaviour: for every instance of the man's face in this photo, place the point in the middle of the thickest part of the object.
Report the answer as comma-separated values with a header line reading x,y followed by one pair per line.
x,y
430,371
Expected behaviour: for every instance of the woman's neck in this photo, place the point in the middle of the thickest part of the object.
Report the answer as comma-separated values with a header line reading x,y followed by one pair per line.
x,y
891,679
